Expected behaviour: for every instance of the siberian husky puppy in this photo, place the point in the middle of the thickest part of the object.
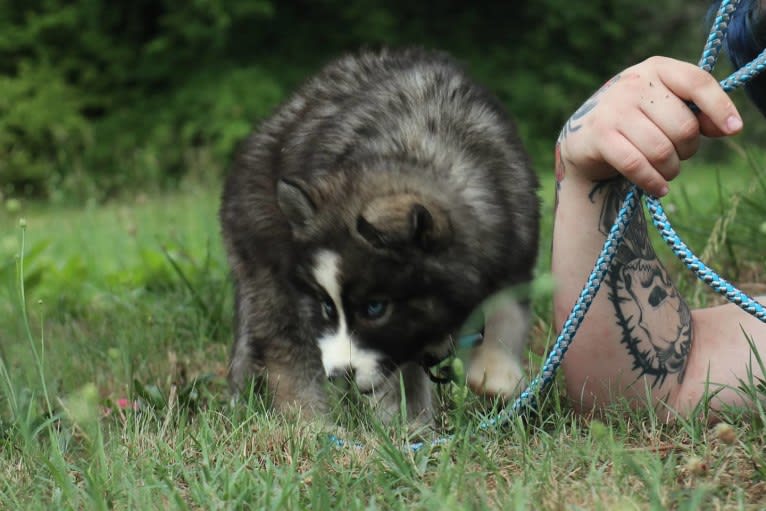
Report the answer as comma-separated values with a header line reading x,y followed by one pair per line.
x,y
365,220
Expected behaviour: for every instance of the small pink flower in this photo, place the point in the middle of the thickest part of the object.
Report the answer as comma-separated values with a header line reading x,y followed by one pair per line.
x,y
124,404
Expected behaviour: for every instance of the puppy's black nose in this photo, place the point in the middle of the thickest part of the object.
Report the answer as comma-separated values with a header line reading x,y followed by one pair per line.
x,y
342,374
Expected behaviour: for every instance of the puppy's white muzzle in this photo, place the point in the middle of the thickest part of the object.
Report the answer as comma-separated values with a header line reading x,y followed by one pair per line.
x,y
341,356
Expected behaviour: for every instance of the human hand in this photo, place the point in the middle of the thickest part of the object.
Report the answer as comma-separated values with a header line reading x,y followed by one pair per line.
x,y
639,124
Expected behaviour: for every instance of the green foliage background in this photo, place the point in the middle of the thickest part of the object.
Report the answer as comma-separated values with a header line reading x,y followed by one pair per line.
x,y
100,98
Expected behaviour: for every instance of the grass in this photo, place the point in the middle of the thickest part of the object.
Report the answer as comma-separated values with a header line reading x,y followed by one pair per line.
x,y
130,303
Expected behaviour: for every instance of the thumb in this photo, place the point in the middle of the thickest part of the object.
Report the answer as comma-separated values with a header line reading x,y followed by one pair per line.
x,y
711,129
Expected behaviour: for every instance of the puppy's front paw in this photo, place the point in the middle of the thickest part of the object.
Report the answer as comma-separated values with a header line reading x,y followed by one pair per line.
x,y
498,376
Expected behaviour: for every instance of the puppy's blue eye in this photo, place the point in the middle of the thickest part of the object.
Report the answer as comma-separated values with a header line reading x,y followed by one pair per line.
x,y
328,309
374,309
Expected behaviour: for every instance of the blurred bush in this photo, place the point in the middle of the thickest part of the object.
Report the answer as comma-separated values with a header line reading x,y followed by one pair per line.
x,y
100,97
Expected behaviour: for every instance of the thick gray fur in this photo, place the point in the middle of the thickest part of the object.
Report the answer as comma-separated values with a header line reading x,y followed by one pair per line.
x,y
408,125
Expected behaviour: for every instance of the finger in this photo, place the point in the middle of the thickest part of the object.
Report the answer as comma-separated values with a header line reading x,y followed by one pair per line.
x,y
691,83
628,160
653,143
708,127
675,120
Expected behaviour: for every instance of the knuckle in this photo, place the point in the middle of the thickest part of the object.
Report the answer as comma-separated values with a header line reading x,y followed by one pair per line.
x,y
688,149
632,164
727,105
664,152
689,130
702,79
655,60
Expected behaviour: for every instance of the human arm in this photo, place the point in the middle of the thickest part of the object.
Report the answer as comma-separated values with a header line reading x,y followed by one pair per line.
x,y
639,333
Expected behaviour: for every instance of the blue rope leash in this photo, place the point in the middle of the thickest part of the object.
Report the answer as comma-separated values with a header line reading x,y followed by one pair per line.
x,y
660,220
527,400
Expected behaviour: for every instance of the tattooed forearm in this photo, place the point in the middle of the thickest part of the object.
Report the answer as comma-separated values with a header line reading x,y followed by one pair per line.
x,y
654,319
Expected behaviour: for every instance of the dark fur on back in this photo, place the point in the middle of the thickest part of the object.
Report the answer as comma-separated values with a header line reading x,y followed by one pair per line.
x,y
410,171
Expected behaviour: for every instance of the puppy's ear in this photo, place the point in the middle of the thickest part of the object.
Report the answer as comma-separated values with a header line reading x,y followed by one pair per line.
x,y
400,221
294,202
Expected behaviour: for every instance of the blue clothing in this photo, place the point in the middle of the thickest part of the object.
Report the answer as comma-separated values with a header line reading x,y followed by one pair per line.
x,y
745,40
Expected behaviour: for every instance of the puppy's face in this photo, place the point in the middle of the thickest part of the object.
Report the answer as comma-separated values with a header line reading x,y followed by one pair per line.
x,y
369,289
369,314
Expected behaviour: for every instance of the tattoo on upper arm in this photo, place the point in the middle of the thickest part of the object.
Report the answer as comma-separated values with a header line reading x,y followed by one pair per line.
x,y
654,319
